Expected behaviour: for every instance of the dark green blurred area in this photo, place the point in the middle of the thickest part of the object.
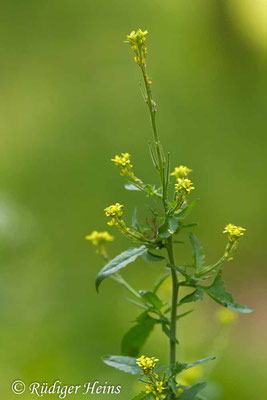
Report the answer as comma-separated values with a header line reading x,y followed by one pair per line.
x,y
69,101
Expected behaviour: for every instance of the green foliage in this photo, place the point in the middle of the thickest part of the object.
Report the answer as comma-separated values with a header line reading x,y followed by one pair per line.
x,y
136,337
199,256
179,367
218,293
119,262
168,216
125,364
191,392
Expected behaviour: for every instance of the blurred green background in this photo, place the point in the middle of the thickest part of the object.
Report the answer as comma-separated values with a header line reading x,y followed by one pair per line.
x,y
69,101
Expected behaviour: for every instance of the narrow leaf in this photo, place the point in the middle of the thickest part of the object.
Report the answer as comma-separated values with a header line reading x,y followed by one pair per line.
x,y
119,262
134,220
186,211
179,367
190,393
125,364
169,333
184,314
160,282
199,256
194,296
151,298
130,186
148,256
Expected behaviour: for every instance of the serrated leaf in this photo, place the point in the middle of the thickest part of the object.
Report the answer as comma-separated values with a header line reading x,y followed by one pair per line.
x,y
186,211
192,297
151,298
199,256
136,336
169,333
119,262
179,367
191,392
148,256
168,228
125,364
218,293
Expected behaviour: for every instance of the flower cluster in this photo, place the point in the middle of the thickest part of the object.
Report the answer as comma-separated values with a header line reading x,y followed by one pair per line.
x,y
156,390
234,232
155,386
184,186
99,240
137,40
147,364
181,172
114,211
123,163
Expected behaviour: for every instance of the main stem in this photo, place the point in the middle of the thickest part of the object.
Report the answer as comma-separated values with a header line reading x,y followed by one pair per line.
x,y
169,244
174,301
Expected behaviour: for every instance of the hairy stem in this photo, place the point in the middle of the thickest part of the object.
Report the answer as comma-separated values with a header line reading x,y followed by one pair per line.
x,y
174,301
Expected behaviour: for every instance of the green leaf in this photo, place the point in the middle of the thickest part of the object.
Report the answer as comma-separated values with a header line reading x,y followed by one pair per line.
x,y
130,186
184,314
199,256
136,337
191,392
142,395
151,298
186,211
218,293
119,262
169,333
134,220
168,228
148,256
179,367
160,282
125,364
194,296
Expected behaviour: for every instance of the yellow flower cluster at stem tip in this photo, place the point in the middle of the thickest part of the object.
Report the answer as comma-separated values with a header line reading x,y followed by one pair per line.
x,y
184,186
234,232
99,240
123,163
181,172
137,39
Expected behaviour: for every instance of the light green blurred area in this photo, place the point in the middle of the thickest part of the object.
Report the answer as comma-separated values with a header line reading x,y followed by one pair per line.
x,y
69,101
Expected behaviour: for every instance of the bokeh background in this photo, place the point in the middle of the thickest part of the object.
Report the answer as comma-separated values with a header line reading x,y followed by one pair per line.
x,y
69,101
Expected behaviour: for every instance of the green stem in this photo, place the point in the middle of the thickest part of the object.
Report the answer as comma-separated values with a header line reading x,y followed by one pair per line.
x,y
174,301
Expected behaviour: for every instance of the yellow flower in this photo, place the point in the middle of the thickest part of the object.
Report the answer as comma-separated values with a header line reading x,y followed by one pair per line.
x,y
136,37
234,232
181,172
146,363
226,316
114,210
99,238
184,186
123,162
